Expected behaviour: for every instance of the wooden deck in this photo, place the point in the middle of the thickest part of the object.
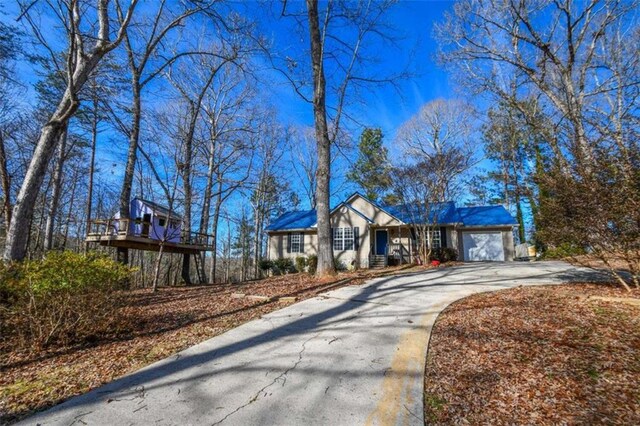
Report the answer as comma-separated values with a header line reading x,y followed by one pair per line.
x,y
141,243
117,233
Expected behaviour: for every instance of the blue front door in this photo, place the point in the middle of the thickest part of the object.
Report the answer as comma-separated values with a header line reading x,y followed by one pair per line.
x,y
381,242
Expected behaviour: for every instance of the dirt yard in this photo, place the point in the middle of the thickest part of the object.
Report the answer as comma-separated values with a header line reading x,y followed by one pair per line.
x,y
158,325
539,355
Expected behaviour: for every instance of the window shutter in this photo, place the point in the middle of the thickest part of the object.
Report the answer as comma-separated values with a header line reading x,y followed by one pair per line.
x,y
443,236
289,242
356,238
302,242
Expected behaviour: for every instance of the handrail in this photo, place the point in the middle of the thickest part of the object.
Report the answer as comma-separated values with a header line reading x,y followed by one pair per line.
x,y
399,251
122,227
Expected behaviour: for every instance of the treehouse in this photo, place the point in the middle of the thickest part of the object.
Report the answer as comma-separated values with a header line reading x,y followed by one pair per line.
x,y
149,226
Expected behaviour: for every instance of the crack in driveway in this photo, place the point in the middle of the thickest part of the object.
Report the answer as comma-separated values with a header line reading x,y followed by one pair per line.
x,y
282,375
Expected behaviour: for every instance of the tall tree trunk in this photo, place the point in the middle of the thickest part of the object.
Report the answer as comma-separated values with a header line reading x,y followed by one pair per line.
x,y
188,192
55,192
72,201
214,232
22,214
206,202
92,162
132,157
326,264
156,272
256,245
5,182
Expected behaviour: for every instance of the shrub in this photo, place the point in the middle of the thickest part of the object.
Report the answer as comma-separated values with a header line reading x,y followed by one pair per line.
x,y
341,266
265,264
301,263
444,254
64,299
312,264
283,266
563,251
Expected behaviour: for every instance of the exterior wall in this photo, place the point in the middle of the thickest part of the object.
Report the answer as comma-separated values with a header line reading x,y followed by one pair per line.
x,y
347,218
137,209
507,240
156,232
378,216
509,247
277,248
401,235
452,238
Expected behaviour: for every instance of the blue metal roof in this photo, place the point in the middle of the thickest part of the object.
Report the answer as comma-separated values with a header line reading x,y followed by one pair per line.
x,y
441,212
444,213
294,220
485,216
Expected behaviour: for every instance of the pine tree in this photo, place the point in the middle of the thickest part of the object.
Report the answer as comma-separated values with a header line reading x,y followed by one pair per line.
x,y
371,170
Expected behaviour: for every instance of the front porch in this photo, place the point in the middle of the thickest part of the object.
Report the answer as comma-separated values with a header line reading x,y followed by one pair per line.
x,y
391,246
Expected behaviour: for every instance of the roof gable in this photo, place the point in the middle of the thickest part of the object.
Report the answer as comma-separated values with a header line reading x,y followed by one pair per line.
x,y
374,212
158,208
350,207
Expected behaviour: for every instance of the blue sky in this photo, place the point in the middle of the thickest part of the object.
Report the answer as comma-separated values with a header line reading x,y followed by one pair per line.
x,y
386,107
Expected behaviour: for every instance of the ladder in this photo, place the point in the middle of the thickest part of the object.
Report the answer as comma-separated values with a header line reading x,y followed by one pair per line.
x,y
199,268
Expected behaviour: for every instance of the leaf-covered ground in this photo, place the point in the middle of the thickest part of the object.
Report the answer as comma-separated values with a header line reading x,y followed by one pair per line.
x,y
154,327
536,355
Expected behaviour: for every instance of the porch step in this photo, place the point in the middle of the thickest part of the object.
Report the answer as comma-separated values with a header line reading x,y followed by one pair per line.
x,y
377,261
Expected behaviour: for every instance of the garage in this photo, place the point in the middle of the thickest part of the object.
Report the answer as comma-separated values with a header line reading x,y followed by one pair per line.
x,y
482,246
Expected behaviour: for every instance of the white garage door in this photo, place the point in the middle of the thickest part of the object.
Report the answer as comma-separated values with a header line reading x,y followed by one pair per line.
x,y
482,246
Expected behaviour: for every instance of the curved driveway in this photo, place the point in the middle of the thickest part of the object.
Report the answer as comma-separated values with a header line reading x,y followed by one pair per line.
x,y
351,356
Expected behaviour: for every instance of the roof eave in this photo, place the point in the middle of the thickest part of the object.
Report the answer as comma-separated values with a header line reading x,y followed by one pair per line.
x,y
271,231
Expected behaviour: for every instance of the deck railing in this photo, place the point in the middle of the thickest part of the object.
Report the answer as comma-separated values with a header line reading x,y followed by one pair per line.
x,y
98,228
399,252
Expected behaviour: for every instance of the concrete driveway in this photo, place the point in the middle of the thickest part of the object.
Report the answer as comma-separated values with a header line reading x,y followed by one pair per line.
x,y
349,357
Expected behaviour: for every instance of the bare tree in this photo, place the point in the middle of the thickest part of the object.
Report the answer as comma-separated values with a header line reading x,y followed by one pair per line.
x,y
57,181
10,115
304,161
142,48
577,65
268,193
549,48
340,39
193,88
80,58
420,187
229,120
440,135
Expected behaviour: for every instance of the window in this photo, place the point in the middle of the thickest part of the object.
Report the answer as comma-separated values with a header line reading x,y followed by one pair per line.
x,y
338,239
295,243
348,238
436,240
162,221
174,223
345,239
